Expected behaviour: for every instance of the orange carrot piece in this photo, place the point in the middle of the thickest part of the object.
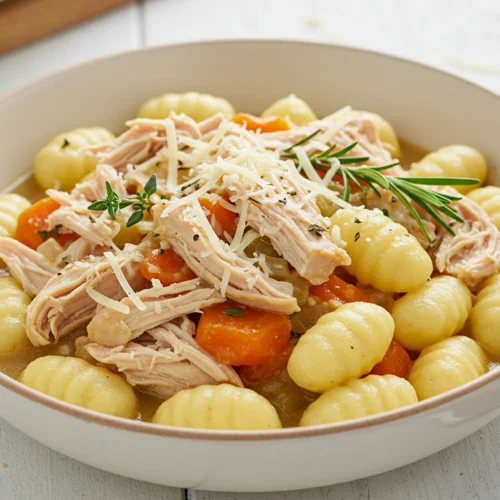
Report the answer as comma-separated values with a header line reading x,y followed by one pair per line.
x,y
337,289
167,266
221,219
32,226
396,362
271,124
267,370
237,335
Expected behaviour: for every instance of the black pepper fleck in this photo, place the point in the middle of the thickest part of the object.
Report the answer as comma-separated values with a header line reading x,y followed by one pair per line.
x,y
356,237
357,221
196,237
162,251
394,199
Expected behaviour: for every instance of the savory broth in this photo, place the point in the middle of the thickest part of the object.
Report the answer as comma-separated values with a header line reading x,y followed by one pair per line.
x,y
289,399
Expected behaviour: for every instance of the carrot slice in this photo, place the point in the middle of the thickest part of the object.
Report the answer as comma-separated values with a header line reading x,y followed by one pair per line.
x,y
237,335
396,362
271,124
337,289
166,266
267,370
221,218
32,226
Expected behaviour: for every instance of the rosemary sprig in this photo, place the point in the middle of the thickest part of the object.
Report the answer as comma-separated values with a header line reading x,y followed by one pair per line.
x,y
140,202
408,190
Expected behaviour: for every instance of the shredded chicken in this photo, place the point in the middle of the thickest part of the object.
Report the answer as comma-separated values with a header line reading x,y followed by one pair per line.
x,y
213,261
396,211
165,360
111,328
142,141
64,305
74,214
29,267
296,228
473,254
79,250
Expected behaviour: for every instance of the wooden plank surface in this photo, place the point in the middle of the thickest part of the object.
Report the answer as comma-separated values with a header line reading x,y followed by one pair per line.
x,y
23,21
460,35
115,31
30,471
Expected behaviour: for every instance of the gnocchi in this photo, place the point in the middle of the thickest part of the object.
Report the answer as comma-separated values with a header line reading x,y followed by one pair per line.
x,y
218,407
386,133
75,381
194,104
447,365
343,344
63,162
485,317
383,253
11,205
489,199
453,161
419,323
292,107
360,398
13,304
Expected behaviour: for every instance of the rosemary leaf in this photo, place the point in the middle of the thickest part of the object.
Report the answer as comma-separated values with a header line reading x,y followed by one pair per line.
x,y
302,141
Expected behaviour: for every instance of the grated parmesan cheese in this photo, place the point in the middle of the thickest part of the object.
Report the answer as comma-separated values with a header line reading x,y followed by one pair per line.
x,y
115,266
156,283
101,299
242,224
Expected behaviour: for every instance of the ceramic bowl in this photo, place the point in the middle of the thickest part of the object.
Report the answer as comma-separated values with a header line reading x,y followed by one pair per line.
x,y
427,106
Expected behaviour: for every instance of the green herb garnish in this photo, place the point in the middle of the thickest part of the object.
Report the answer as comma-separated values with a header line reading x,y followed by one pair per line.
x,y
140,202
53,233
314,228
408,190
234,312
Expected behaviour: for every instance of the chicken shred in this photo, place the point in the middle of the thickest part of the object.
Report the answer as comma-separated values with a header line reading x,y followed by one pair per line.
x,y
165,360
473,254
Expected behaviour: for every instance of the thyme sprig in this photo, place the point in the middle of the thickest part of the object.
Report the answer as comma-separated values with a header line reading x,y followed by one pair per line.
x,y
408,190
140,202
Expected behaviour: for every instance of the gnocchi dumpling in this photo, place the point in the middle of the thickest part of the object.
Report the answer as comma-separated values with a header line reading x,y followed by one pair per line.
x,y
194,104
360,398
292,107
485,317
77,382
222,406
434,311
343,344
383,253
453,161
488,198
63,162
386,132
11,205
446,365
13,304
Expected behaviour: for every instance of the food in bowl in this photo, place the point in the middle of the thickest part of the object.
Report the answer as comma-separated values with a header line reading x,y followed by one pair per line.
x,y
213,269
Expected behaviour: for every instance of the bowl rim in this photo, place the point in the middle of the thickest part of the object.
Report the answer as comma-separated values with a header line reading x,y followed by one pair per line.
x,y
137,426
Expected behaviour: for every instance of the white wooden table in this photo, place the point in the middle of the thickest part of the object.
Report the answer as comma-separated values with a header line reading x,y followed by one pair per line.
x,y
459,35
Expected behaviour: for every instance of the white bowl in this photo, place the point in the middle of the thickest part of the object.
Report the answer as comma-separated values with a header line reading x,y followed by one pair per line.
x,y
427,106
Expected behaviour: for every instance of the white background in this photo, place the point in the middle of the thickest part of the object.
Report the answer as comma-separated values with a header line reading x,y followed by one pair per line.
x,y
462,36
